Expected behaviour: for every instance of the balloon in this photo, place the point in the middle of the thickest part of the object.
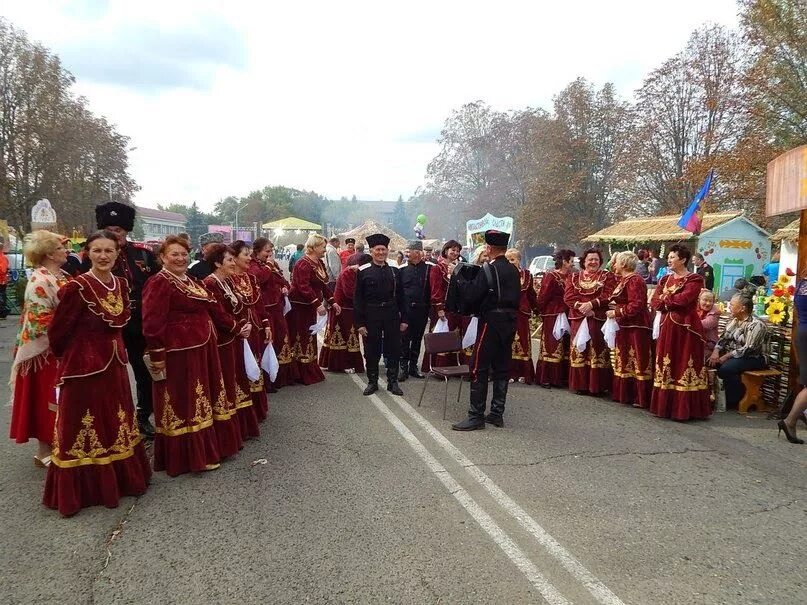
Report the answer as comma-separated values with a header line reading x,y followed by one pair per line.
x,y
421,219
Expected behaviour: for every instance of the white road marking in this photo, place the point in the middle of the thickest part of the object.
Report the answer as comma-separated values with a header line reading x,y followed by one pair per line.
x,y
503,541
596,587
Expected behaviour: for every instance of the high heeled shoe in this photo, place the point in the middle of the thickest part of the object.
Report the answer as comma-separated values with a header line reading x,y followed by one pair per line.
x,y
803,418
791,438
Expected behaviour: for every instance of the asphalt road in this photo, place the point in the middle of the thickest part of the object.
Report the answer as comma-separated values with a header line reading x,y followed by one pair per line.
x,y
371,500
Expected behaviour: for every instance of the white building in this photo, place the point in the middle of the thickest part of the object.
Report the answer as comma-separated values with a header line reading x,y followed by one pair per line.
x,y
157,224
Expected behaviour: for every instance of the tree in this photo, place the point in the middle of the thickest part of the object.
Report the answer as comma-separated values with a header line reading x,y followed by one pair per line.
x,y
401,222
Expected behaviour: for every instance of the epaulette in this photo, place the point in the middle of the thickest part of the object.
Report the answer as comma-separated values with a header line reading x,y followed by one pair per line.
x,y
431,264
365,266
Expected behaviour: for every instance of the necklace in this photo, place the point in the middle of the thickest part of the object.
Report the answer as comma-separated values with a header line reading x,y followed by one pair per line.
x,y
228,291
111,289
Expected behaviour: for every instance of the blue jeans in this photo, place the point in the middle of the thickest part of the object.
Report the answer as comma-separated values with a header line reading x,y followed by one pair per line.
x,y
730,372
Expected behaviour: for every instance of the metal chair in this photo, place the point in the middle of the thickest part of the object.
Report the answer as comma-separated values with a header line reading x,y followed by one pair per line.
x,y
444,342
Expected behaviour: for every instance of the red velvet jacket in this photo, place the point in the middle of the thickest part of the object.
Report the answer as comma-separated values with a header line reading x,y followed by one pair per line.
x,y
550,298
270,281
252,308
528,303
86,330
309,284
180,314
595,289
229,304
439,277
345,286
677,299
630,298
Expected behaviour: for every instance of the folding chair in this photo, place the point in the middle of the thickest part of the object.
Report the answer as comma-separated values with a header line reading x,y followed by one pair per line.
x,y
444,342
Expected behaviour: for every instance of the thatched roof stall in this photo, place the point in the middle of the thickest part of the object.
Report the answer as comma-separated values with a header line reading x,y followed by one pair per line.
x,y
788,233
656,229
397,242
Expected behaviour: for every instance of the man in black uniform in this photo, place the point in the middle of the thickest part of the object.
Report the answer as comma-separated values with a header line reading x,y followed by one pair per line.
x,y
201,268
414,277
704,269
497,295
377,311
135,264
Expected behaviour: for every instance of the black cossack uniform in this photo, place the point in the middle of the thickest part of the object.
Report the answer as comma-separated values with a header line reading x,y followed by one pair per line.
x,y
378,306
494,337
415,313
136,264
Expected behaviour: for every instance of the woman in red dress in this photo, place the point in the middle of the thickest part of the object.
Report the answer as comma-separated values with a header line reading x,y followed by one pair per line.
x,y
680,383
231,347
340,350
586,294
310,299
196,423
521,368
439,277
34,372
98,455
633,359
254,313
274,289
552,369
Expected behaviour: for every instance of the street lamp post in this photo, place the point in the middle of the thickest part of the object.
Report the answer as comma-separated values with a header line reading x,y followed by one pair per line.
x,y
236,218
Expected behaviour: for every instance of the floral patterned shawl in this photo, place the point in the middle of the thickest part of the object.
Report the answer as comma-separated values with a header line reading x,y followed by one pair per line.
x,y
40,302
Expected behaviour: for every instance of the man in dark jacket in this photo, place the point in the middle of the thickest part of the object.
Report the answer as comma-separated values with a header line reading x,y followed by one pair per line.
x,y
201,268
135,263
497,293
704,269
414,277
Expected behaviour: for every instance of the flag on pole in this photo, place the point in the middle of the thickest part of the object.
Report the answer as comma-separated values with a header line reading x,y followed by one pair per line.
x,y
692,218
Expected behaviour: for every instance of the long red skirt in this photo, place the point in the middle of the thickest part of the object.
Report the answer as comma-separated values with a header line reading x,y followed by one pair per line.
x,y
633,367
260,400
553,367
444,360
236,385
98,456
304,365
521,359
283,350
340,349
680,382
590,370
33,412
183,411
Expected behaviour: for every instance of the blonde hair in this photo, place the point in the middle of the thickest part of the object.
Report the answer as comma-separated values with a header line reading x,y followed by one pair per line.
x,y
478,254
514,251
628,260
314,240
38,244
707,292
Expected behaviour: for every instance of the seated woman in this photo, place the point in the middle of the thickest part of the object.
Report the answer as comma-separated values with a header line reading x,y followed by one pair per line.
x,y
709,314
740,348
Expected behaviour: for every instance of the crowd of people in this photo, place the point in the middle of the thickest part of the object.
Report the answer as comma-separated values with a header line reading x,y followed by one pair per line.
x,y
198,334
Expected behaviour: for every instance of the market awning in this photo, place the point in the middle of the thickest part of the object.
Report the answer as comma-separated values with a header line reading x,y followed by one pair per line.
x,y
292,223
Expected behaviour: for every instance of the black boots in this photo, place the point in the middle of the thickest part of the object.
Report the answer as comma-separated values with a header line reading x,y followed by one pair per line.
x,y
413,370
469,424
392,380
146,428
403,374
497,403
372,382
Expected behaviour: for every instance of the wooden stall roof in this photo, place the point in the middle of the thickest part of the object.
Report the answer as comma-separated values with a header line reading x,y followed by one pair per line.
x,y
789,232
656,228
397,242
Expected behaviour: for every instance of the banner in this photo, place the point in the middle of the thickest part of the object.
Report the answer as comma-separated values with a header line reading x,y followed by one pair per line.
x,y
475,229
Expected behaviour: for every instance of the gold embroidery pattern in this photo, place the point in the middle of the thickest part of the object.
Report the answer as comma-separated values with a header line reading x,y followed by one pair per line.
x,y
128,435
689,381
334,340
590,359
310,351
223,409
559,354
353,341
257,386
631,368
169,421
286,352
204,411
112,303
242,396
517,352
87,444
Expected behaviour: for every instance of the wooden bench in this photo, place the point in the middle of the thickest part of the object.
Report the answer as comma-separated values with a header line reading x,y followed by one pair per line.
x,y
752,381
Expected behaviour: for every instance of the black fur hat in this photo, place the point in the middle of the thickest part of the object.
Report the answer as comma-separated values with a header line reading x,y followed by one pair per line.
x,y
115,214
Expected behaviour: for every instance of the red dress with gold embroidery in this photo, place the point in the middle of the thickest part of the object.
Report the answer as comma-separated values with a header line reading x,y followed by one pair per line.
x,y
231,357
97,454
439,277
254,312
271,283
521,360
633,360
340,349
195,421
590,370
309,288
553,367
680,382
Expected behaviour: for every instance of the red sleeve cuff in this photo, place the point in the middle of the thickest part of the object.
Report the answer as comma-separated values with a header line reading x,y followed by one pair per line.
x,y
157,355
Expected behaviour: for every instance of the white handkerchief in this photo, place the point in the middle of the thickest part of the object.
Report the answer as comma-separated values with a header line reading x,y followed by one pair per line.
x,y
609,330
320,325
582,337
269,362
441,326
470,334
286,305
253,371
657,325
561,326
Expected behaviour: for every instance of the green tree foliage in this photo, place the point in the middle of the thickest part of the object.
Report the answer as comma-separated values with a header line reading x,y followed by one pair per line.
x,y
196,220
272,203
402,219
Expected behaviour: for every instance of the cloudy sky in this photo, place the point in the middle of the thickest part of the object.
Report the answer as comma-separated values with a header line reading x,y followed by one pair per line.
x,y
340,97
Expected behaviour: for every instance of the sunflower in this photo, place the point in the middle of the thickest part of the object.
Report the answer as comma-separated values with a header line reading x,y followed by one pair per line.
x,y
776,312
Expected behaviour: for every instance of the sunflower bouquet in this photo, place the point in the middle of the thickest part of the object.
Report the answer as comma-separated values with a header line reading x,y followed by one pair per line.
x,y
779,305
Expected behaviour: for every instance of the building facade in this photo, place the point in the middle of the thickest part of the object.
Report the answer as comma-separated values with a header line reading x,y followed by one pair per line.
x,y
158,224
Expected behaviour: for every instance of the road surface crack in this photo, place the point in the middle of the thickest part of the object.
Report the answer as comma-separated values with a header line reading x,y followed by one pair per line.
x,y
586,454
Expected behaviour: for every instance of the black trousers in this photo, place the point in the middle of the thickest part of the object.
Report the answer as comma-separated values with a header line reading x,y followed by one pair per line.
x,y
4,301
383,334
730,373
411,339
493,351
135,349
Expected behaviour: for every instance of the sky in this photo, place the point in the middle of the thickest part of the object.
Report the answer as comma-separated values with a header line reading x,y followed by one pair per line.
x,y
342,98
